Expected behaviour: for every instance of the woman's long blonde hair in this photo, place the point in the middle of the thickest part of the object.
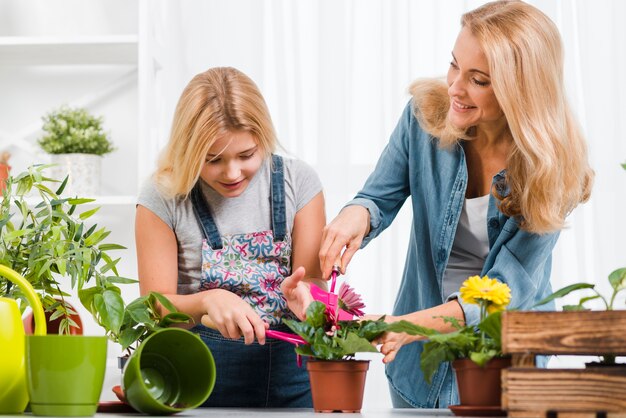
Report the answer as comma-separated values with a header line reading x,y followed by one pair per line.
x,y
215,102
548,174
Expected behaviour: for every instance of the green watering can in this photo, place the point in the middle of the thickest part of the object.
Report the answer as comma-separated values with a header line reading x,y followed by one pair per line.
x,y
13,391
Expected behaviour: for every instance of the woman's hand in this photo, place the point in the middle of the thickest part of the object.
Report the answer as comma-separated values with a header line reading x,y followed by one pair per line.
x,y
347,231
391,342
232,316
297,293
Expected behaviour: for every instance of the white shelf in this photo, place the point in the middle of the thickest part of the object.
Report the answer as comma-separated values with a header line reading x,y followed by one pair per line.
x,y
82,50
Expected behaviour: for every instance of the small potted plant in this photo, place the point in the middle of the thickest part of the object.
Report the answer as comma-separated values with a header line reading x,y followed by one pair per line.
x,y
337,378
475,351
44,238
76,141
617,281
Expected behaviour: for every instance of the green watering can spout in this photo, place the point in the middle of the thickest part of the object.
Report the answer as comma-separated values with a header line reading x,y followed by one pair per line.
x,y
13,391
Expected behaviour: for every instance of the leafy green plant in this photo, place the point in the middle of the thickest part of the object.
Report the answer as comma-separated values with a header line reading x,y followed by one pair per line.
x,y
478,343
328,340
70,131
44,238
131,324
617,281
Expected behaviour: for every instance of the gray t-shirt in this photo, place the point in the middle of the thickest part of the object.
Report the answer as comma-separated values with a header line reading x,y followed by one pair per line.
x,y
249,212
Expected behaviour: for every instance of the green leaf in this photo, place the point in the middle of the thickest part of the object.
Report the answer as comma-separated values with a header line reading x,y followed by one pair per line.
x,y
316,314
110,307
410,328
174,318
563,292
109,247
617,278
355,344
129,336
481,358
62,186
79,201
121,280
432,356
165,302
89,213
140,313
10,236
573,308
492,326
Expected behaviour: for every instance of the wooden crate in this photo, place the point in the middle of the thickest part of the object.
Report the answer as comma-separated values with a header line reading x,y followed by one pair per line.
x,y
564,393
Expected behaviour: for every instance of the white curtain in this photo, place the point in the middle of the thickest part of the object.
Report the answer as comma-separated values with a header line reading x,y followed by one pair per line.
x,y
335,76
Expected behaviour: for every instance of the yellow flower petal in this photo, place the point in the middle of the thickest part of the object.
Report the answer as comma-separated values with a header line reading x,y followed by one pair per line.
x,y
477,290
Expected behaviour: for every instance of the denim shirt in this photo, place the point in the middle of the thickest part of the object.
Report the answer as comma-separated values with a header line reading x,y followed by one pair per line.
x,y
413,164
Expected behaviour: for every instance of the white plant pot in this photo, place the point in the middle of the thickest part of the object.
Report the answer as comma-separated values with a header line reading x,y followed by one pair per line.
x,y
83,171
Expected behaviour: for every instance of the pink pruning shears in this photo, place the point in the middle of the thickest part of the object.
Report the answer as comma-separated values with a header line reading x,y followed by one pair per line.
x,y
331,299
290,338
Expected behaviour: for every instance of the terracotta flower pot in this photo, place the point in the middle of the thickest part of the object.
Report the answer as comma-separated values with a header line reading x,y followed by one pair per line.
x,y
4,175
480,386
337,385
53,325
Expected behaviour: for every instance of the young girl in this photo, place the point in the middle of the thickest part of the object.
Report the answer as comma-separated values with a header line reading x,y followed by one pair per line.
x,y
218,228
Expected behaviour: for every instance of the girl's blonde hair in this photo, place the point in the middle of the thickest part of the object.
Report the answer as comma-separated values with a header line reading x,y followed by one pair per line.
x,y
215,102
548,174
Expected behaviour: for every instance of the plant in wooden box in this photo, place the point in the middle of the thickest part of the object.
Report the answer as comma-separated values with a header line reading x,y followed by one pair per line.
x,y
76,141
475,351
617,282
337,378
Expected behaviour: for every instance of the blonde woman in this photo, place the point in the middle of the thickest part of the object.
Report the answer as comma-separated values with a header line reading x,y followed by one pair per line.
x,y
493,162
220,225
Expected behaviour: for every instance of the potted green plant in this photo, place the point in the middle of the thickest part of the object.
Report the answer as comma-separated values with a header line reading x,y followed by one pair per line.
x,y
337,378
474,351
76,141
44,239
617,282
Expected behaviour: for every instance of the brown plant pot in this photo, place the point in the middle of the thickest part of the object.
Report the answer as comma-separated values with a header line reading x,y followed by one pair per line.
x,y
480,386
4,175
337,385
52,327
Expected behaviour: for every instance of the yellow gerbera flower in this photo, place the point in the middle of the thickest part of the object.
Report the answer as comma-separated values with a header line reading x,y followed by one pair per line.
x,y
476,289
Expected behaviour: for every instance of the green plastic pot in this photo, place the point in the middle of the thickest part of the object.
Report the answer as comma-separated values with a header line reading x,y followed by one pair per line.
x,y
171,371
65,373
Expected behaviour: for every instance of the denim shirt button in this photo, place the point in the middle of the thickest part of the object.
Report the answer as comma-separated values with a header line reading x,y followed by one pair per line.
x,y
493,223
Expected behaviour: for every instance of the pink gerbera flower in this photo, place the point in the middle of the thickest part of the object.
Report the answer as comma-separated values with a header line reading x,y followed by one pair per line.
x,y
350,301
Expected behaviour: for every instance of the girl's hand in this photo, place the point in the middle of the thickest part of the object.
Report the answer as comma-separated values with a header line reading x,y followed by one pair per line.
x,y
391,342
297,293
233,317
347,231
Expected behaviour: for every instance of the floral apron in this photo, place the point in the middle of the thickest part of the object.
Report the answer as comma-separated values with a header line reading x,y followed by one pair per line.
x,y
252,265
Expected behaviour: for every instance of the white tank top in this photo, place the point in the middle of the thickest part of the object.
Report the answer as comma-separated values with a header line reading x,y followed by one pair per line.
x,y
470,247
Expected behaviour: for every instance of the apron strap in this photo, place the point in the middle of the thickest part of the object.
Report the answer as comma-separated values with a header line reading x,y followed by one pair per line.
x,y
279,217
204,217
